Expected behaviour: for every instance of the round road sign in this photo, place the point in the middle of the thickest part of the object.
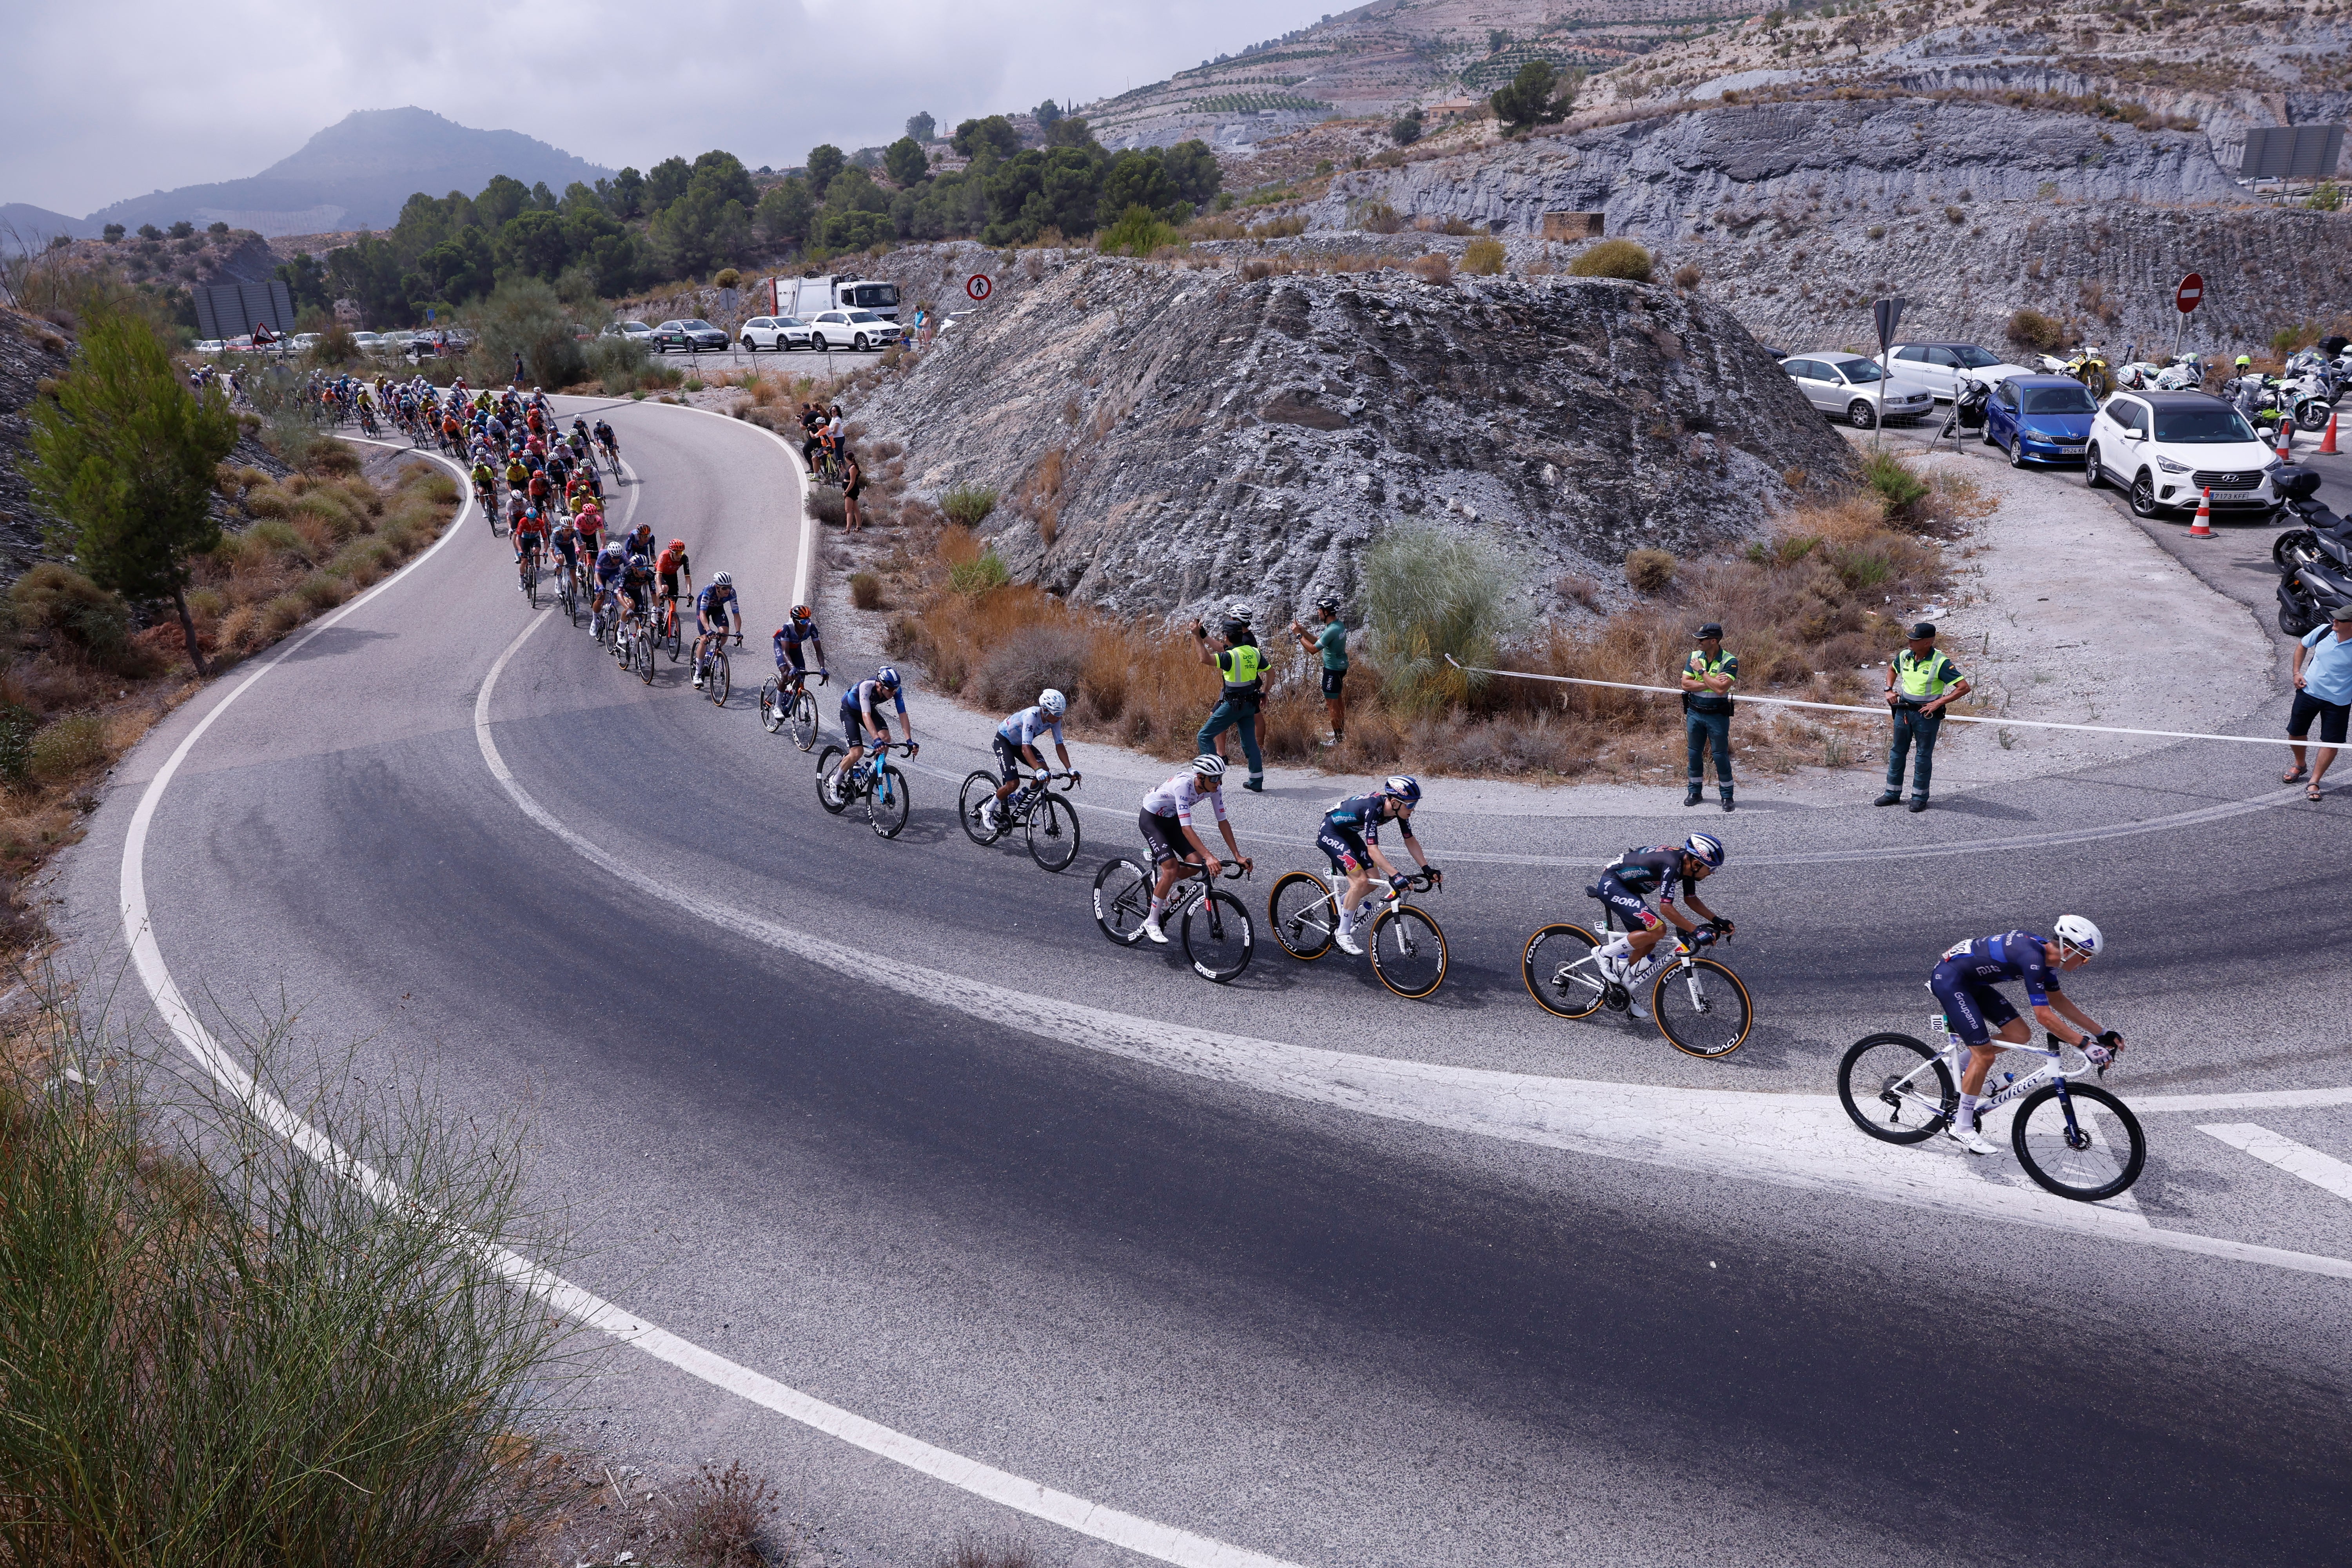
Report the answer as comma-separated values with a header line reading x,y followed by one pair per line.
x,y
979,286
2192,289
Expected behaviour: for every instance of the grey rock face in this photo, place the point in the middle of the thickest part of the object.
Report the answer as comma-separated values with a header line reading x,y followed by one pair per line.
x,y
1215,438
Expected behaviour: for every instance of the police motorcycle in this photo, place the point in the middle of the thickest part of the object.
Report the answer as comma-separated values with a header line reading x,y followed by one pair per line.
x,y
2315,559
2086,364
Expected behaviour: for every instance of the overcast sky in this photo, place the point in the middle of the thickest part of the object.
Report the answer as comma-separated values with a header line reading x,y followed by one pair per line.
x,y
120,98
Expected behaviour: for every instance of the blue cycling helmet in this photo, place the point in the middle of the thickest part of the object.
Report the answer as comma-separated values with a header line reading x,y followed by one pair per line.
x,y
1704,848
1404,787
887,675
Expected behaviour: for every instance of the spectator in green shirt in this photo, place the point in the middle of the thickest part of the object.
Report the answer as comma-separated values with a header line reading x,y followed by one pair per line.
x,y
1330,640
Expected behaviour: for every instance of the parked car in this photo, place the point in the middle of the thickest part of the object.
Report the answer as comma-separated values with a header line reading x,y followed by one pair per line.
x,y
367,342
1847,386
211,346
2040,418
783,333
397,343
1933,368
685,337
242,345
851,330
637,331
2169,448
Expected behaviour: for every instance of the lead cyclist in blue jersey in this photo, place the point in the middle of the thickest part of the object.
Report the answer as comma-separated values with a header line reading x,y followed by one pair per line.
x,y
1350,839
1964,983
1624,885
716,613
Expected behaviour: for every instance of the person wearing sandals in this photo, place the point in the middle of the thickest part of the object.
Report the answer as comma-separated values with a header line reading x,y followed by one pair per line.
x,y
2323,690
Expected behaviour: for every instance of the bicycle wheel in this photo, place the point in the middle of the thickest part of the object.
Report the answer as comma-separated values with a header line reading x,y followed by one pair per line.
x,y
1217,936
1561,974
971,801
1702,1010
1122,899
1895,1089
1053,833
828,766
2081,1162
717,688
531,583
771,712
1302,914
804,719
1408,952
646,655
888,801
674,641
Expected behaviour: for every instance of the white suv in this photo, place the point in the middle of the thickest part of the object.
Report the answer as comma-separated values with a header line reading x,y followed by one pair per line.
x,y
858,330
2169,448
781,334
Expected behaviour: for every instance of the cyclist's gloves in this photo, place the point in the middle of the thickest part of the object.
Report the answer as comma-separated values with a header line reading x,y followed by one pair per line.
x,y
1719,925
1435,876
2100,1055
1400,882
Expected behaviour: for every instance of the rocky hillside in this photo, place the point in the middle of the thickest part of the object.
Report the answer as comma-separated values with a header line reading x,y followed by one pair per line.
x,y
1797,214
1166,436
31,351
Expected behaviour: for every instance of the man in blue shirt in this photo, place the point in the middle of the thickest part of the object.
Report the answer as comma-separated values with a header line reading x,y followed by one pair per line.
x,y
2323,690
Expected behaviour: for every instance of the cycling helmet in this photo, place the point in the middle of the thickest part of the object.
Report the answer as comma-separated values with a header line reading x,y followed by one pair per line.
x,y
1328,602
724,580
1052,702
1209,765
1704,848
2076,932
1404,787
612,547
2244,361
887,675
678,544
1238,610
800,612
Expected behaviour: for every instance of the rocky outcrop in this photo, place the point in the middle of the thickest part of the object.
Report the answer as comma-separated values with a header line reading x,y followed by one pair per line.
x,y
31,351
1168,437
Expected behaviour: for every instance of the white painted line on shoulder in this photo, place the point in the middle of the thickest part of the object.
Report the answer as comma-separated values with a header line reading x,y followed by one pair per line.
x,y
2325,1172
2254,1099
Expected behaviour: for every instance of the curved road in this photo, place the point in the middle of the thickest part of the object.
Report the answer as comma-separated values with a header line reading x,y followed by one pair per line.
x,y
1292,1268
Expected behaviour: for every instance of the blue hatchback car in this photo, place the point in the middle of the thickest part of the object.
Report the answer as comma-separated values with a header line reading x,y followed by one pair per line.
x,y
2040,419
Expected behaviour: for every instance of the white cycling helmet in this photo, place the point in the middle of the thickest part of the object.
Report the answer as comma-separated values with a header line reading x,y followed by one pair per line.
x,y
1209,765
724,580
2075,932
1052,702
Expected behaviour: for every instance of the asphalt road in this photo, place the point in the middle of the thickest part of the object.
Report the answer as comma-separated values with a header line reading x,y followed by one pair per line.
x,y
1292,1264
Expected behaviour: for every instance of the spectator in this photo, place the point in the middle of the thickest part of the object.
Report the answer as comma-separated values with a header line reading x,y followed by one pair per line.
x,y
1709,675
1329,640
853,479
2323,690
1238,659
517,374
1920,684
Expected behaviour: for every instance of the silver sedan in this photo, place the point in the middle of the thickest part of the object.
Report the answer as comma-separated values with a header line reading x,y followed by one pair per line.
x,y
1849,386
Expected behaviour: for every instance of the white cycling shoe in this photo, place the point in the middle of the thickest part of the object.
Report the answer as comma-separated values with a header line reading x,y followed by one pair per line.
x,y
1153,930
1346,937
1971,1139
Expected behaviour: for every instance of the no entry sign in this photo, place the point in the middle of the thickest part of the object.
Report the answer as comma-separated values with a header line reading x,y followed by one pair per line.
x,y
979,286
2192,290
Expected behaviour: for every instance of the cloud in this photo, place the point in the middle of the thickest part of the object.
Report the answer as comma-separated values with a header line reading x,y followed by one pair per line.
x,y
113,100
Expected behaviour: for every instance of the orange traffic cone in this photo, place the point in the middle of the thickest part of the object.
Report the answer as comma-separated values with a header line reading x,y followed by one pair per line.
x,y
2327,442
2203,527
2286,441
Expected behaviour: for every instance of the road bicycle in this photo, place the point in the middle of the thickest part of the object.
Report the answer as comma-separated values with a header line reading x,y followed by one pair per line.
x,y
1407,947
613,455
486,496
1217,936
567,590
672,641
884,787
1699,1004
1050,821
1900,1090
530,577
644,647
715,672
787,701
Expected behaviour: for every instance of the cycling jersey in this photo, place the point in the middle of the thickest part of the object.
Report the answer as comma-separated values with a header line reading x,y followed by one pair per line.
x,y
1965,978
1655,869
609,569
529,523
854,703
640,545
1180,795
1350,827
789,637
713,602
1023,728
671,563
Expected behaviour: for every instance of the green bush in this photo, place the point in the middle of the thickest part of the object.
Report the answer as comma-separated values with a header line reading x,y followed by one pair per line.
x,y
1484,256
1613,258
67,747
18,724
1898,488
968,504
978,576
1650,570
619,364
78,613
866,590
1137,232
1429,594
2033,329
2328,196
524,317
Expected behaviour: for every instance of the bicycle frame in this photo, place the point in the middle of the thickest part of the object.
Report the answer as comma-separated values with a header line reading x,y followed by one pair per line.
x,y
1955,1056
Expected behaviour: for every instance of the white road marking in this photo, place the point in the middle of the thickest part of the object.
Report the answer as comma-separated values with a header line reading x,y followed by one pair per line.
x,y
2257,1099
2325,1172
1795,1141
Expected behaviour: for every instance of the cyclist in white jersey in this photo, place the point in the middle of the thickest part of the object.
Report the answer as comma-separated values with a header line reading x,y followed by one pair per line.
x,y
1017,743
1167,822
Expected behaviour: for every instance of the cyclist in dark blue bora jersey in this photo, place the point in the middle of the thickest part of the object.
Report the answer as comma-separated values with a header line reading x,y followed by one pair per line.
x,y
1964,983
1625,885
1350,839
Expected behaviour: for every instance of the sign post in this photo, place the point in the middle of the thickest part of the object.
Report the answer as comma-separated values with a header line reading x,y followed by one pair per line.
x,y
1886,314
979,286
2185,298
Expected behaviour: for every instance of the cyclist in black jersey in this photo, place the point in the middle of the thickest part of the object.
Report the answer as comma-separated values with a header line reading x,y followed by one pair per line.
x,y
1626,882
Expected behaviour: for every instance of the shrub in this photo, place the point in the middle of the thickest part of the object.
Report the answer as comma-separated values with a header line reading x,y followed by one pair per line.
x,y
1650,570
1405,129
2328,196
1378,218
866,590
1432,268
1137,232
1011,674
1899,487
80,614
1483,256
1613,258
719,1521
67,747
1687,276
18,724
727,278
968,505
1428,594
2033,329
524,317
984,571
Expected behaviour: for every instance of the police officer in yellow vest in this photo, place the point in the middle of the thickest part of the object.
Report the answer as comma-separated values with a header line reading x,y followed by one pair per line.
x,y
1709,675
1243,664
1920,684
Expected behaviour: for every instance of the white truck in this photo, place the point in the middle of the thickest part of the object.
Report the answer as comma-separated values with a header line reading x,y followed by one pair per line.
x,y
805,296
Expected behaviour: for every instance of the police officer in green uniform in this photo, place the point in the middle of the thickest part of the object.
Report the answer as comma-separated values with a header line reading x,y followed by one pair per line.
x,y
1243,664
1709,675
1920,684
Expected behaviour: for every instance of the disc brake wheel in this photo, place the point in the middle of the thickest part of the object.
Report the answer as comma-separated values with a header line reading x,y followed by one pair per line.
x,y
2098,1157
1702,1009
1408,952
1122,900
971,801
1217,936
888,801
1302,915
1561,972
771,712
803,720
1053,833
828,773
1897,1089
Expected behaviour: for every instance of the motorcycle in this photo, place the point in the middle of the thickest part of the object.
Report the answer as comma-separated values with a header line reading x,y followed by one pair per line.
x,y
2087,365
2315,560
2185,374
1968,410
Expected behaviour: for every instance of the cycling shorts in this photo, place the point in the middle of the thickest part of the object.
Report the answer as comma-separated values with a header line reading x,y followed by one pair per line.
x,y
1344,847
669,585
1163,836
1629,905
638,593
527,542
1009,760
570,550
1973,1009
853,722
791,651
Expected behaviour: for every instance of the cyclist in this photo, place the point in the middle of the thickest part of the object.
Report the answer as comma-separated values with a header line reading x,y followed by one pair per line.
x,y
640,542
1167,836
590,521
637,583
1623,886
668,567
1964,983
531,532
799,627
1350,839
566,540
610,442
486,483
861,715
1015,741
610,564
718,613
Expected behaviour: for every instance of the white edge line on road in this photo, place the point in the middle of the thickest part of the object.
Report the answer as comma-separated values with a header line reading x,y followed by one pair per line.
x,y
2325,1172
1164,1542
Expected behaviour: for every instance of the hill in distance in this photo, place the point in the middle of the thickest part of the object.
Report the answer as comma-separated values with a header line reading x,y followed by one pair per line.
x,y
353,175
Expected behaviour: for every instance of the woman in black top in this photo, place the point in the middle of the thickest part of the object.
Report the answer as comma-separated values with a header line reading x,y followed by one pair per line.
x,y
853,479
